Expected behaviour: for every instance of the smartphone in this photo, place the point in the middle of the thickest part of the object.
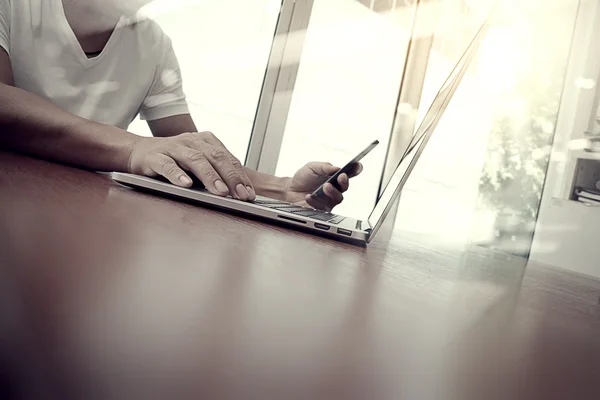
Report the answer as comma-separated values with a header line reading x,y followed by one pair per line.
x,y
347,168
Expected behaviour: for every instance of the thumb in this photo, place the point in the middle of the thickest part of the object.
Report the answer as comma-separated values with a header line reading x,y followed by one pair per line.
x,y
322,168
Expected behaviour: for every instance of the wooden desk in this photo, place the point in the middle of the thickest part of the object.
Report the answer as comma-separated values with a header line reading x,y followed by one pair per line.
x,y
106,293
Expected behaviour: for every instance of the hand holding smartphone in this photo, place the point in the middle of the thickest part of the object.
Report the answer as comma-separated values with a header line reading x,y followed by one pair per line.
x,y
345,170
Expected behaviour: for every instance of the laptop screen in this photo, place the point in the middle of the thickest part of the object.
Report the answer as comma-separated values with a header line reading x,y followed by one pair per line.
x,y
422,135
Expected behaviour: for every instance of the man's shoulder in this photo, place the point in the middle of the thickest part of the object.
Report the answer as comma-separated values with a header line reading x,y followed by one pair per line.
x,y
147,30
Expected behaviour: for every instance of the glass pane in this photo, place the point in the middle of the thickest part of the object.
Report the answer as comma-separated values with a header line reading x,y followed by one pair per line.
x,y
223,49
346,91
480,178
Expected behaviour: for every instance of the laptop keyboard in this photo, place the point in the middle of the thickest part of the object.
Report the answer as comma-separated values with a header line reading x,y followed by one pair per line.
x,y
300,211
281,205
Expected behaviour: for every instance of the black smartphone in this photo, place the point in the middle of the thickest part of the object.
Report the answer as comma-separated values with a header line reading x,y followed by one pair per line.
x,y
347,168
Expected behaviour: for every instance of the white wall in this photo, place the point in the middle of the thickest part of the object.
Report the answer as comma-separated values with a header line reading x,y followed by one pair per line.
x,y
567,233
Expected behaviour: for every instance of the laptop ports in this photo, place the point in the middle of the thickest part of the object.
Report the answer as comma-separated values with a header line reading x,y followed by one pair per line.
x,y
322,226
299,221
344,232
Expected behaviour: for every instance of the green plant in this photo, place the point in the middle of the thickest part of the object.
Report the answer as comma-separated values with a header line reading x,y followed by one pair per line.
x,y
520,141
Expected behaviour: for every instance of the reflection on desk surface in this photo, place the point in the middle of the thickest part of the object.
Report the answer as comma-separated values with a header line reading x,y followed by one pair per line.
x,y
135,296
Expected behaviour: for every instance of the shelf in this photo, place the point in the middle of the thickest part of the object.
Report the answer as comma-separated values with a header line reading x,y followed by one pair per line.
x,y
557,202
582,170
582,154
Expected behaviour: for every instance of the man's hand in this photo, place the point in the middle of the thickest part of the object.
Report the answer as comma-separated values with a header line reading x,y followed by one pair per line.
x,y
202,154
310,177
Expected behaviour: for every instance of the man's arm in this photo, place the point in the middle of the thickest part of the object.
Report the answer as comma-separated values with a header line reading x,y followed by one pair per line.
x,y
31,125
264,184
34,126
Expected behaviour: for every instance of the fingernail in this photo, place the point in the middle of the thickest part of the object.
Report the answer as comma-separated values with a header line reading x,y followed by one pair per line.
x,y
185,180
221,187
252,192
242,192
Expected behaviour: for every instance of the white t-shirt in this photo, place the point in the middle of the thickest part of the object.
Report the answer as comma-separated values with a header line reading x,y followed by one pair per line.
x,y
137,72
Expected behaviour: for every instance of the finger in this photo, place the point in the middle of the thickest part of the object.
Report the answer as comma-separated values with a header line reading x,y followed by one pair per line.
x,y
242,173
167,167
322,169
356,170
343,182
238,187
195,162
317,203
212,139
334,195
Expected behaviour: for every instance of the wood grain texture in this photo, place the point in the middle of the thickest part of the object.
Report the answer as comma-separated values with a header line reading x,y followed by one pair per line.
x,y
107,293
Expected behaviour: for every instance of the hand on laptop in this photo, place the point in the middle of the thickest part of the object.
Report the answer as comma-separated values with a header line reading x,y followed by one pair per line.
x,y
200,153
203,155
310,177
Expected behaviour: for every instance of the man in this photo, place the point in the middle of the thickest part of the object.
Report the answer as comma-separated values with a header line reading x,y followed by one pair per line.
x,y
75,73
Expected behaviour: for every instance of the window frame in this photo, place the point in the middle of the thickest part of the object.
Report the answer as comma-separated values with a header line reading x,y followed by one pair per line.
x,y
278,86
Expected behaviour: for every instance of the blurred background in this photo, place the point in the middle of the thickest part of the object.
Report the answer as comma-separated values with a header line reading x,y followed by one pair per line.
x,y
282,83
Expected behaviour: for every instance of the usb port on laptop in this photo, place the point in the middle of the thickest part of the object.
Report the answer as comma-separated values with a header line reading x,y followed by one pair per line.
x,y
345,232
322,226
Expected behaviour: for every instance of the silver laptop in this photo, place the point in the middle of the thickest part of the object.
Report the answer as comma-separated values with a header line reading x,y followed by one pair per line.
x,y
315,221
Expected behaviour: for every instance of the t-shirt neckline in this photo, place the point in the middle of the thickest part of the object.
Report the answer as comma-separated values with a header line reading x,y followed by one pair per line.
x,y
68,32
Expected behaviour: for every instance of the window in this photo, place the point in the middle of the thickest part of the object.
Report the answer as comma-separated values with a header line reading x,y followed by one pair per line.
x,y
487,159
223,49
346,92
